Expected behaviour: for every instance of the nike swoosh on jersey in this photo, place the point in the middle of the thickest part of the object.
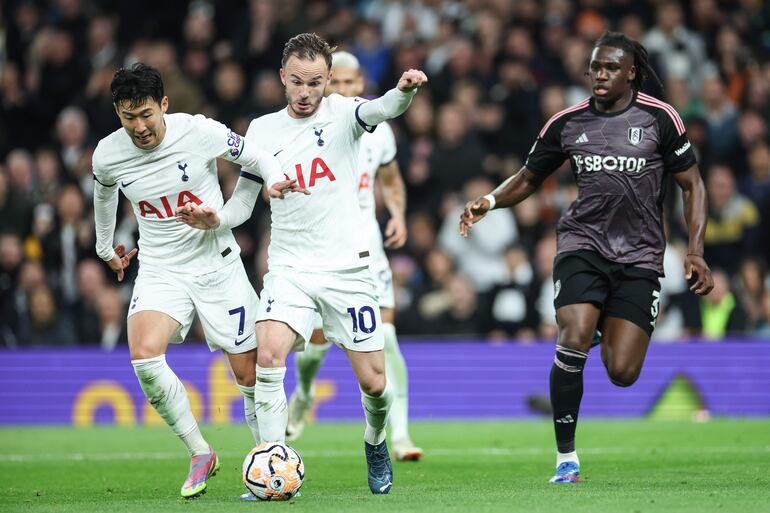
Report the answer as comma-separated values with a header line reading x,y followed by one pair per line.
x,y
124,184
239,342
276,153
359,340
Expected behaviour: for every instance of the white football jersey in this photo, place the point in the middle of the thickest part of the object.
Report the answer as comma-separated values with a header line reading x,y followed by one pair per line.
x,y
377,148
181,169
324,230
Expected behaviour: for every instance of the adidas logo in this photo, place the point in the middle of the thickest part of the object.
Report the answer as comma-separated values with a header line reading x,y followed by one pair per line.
x,y
567,419
582,139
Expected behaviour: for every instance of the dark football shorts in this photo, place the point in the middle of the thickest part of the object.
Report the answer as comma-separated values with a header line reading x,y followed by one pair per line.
x,y
618,290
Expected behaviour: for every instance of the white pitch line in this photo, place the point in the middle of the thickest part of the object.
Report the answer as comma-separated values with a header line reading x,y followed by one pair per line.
x,y
436,452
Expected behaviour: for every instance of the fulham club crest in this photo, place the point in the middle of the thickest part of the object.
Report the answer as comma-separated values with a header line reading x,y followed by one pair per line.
x,y
635,135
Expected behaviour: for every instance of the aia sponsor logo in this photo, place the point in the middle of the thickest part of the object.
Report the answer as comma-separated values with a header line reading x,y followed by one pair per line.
x,y
147,208
318,171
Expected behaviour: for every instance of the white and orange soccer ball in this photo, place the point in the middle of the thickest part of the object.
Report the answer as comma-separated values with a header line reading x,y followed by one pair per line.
x,y
273,471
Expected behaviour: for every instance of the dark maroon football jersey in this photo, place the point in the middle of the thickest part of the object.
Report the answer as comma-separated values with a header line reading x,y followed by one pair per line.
x,y
619,162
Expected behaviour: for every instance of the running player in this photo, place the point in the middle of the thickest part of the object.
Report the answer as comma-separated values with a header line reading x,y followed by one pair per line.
x,y
319,251
161,161
376,159
621,144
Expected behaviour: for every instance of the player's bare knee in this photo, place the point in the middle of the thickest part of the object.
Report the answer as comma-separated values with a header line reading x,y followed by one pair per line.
x,y
269,359
373,385
247,380
623,377
576,338
141,350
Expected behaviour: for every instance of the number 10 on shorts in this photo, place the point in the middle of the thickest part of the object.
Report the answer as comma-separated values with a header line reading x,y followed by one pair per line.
x,y
364,319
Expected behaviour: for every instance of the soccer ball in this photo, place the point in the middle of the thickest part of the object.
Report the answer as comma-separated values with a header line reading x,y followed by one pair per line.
x,y
273,471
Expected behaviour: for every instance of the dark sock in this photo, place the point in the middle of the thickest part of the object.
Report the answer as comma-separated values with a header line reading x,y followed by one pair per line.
x,y
566,393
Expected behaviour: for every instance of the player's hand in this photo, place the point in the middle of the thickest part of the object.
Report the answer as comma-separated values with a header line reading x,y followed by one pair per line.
x,y
121,260
395,232
704,282
279,188
474,212
411,79
202,218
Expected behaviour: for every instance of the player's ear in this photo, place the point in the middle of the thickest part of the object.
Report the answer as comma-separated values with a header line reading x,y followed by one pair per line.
x,y
632,73
164,104
283,76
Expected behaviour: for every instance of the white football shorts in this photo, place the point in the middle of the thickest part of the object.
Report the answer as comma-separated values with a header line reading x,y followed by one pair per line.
x,y
383,280
224,299
345,300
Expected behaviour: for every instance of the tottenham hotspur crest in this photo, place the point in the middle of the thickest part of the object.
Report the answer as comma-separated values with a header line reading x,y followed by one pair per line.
x,y
635,135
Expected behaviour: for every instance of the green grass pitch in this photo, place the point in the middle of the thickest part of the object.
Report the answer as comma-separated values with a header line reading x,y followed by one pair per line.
x,y
627,466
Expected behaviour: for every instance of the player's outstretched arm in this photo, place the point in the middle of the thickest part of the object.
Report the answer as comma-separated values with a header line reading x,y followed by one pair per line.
x,y
696,216
394,196
512,191
394,102
238,208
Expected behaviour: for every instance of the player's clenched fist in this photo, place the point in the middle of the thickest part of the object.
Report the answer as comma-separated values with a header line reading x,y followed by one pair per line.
x,y
474,212
412,79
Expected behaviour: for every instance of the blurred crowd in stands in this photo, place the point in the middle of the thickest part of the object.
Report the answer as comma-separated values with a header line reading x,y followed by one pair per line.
x,y
498,70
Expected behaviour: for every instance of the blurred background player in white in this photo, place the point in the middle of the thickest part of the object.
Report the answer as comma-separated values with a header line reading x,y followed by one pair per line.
x,y
318,259
376,159
161,161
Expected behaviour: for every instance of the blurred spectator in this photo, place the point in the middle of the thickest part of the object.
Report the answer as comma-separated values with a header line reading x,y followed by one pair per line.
x,y
71,133
44,325
512,306
752,292
58,73
720,312
111,310
15,209
103,51
721,117
732,222
756,185
18,114
97,103
679,51
480,256
230,98
185,95
457,156
10,263
90,285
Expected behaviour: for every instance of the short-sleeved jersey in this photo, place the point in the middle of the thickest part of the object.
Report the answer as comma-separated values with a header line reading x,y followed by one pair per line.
x,y
619,161
323,230
377,149
181,169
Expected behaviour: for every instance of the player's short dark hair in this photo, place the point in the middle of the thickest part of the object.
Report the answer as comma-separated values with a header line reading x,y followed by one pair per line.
x,y
136,85
307,46
637,50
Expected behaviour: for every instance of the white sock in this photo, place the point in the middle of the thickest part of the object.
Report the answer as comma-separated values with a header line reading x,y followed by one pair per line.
x,y
376,411
308,362
169,398
270,401
249,411
561,457
398,380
